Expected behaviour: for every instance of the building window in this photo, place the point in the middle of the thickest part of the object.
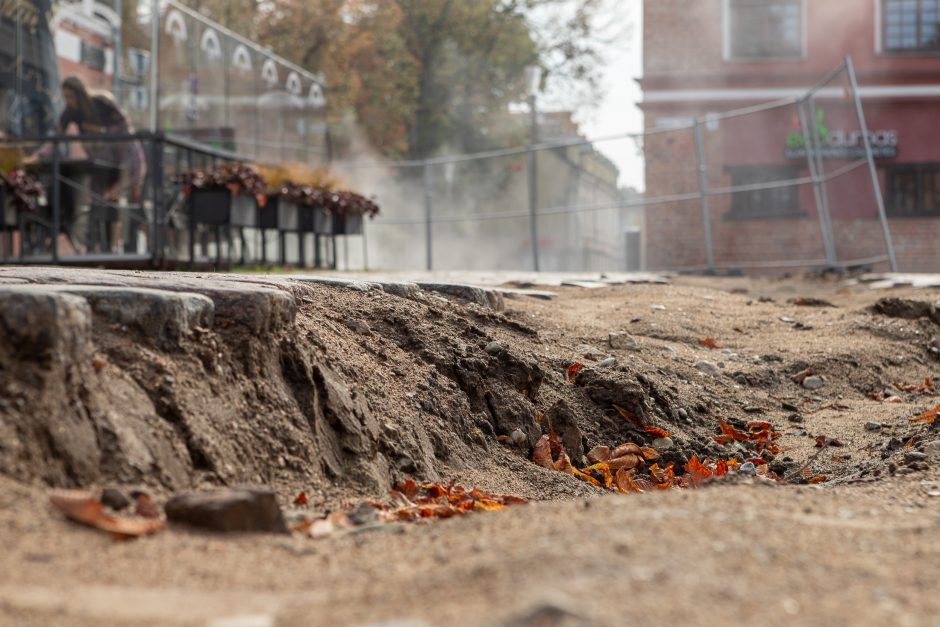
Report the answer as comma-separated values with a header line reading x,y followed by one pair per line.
x,y
765,29
913,190
911,25
775,202
93,56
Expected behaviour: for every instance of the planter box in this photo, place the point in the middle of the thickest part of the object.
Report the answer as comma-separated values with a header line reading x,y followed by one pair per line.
x,y
347,225
217,206
279,213
7,211
315,220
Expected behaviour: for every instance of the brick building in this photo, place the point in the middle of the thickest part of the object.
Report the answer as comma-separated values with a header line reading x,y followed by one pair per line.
x,y
708,56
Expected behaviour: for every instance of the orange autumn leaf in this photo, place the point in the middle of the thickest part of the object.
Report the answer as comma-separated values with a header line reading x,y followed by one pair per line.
x,y
564,465
625,483
301,499
628,448
928,417
816,479
598,454
659,433
649,454
82,507
572,371
604,470
709,342
721,468
542,452
696,470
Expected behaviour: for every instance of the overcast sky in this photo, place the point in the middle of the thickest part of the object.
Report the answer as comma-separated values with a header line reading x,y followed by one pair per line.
x,y
618,113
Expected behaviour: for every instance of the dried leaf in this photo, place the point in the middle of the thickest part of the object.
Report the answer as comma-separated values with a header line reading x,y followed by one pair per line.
x,y
502,438
604,470
816,479
564,465
928,417
625,483
629,416
840,459
599,454
542,453
628,462
538,417
572,371
709,342
628,448
914,388
82,507
822,441
143,506
649,454
659,433
799,376
301,499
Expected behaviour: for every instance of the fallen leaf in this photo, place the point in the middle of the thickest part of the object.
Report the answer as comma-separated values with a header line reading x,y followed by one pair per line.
x,y
603,470
840,459
572,371
542,453
823,441
914,388
625,483
799,376
599,454
659,433
143,506
928,417
301,499
502,438
649,453
628,448
629,416
709,342
816,479
628,462
82,507
757,461
538,417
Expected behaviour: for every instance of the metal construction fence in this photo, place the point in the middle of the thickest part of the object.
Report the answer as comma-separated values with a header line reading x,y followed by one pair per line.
x,y
788,183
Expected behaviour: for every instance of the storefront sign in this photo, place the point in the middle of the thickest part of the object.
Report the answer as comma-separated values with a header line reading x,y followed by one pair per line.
x,y
843,144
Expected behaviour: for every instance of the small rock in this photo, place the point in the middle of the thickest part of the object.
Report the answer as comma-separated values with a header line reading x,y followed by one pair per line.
x,y
919,466
813,382
752,409
771,358
795,417
359,326
708,367
227,510
932,449
589,352
610,362
872,426
494,348
747,469
740,379
363,514
623,341
115,498
914,456
663,444
658,308
683,414
518,438
787,320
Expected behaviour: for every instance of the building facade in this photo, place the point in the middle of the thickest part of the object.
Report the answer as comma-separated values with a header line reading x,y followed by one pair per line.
x,y
710,56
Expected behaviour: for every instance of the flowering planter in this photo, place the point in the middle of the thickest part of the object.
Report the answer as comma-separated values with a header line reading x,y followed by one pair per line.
x,y
217,206
279,213
350,224
316,220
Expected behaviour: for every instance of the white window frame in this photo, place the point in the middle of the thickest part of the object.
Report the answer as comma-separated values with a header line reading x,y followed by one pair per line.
x,y
726,38
880,35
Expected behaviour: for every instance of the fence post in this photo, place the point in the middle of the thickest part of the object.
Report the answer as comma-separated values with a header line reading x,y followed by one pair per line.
x,y
159,219
534,200
809,145
56,204
428,210
872,170
703,193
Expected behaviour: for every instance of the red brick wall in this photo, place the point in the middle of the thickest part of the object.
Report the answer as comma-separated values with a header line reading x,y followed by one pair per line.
x,y
683,41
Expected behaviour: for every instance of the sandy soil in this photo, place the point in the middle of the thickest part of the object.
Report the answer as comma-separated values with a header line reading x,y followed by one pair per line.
x,y
860,548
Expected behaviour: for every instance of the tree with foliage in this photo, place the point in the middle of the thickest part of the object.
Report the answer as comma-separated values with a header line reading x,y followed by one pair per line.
x,y
419,76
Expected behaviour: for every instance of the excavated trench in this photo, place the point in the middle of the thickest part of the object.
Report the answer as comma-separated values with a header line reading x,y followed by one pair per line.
x,y
339,389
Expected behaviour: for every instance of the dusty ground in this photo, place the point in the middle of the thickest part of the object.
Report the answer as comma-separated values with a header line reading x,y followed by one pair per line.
x,y
429,402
